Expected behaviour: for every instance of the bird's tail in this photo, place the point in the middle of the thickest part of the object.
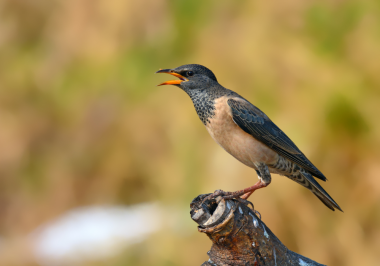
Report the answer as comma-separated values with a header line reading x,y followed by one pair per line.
x,y
307,180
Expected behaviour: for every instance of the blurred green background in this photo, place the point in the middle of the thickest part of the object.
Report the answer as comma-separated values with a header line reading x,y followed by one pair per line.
x,y
82,122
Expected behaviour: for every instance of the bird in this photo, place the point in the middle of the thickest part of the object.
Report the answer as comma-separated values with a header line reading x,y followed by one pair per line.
x,y
247,133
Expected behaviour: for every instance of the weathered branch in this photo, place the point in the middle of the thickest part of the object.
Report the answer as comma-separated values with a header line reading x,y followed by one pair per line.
x,y
239,237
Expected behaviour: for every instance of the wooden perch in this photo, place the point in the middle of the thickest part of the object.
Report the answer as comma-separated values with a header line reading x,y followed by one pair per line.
x,y
239,237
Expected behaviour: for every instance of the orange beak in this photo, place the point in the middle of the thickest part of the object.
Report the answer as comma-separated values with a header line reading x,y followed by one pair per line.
x,y
172,82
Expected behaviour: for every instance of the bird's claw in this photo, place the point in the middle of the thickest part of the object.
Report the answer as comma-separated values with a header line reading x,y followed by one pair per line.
x,y
246,203
220,194
257,213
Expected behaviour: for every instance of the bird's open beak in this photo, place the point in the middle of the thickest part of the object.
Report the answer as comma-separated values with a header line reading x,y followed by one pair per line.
x,y
172,82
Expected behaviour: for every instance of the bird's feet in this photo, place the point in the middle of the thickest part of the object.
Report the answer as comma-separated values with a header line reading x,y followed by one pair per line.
x,y
225,195
240,194
220,194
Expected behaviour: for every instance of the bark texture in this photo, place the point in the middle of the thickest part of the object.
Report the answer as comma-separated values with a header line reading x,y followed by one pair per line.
x,y
238,235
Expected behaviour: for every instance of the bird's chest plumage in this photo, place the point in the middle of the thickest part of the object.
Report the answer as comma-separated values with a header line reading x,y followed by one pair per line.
x,y
233,139
204,105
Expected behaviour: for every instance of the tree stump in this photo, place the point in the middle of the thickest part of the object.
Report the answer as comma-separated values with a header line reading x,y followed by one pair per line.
x,y
238,235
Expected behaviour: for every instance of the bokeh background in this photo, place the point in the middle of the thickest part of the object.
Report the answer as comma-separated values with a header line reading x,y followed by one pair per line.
x,y
98,165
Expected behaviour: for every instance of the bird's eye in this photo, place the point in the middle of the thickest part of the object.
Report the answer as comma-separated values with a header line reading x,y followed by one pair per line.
x,y
190,73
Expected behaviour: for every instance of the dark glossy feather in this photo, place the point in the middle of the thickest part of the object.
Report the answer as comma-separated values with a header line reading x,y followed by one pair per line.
x,y
305,179
253,121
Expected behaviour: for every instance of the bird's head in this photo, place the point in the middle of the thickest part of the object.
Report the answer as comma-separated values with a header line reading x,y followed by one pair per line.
x,y
191,76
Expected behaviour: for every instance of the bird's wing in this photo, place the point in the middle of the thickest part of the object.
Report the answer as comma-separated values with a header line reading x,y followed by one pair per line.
x,y
253,121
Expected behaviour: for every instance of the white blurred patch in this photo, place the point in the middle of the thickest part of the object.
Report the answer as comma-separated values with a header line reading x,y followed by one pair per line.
x,y
302,263
265,232
93,233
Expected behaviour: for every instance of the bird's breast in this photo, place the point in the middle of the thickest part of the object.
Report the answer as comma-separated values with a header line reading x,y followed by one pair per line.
x,y
234,140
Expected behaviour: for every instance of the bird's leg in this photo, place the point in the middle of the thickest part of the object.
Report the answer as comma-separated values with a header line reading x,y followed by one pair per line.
x,y
246,195
247,191
264,180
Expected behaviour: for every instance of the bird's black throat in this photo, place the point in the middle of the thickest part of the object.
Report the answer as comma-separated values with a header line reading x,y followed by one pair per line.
x,y
204,102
